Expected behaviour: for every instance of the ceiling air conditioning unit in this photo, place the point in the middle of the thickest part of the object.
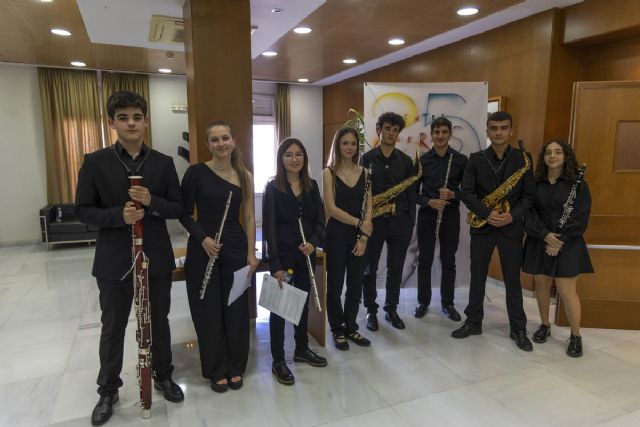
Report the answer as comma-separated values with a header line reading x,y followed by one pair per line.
x,y
166,29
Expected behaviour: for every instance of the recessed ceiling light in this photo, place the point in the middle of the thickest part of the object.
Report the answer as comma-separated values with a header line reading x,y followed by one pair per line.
x,y
46,1
302,30
78,64
164,70
277,10
396,42
269,53
466,11
303,80
349,61
60,32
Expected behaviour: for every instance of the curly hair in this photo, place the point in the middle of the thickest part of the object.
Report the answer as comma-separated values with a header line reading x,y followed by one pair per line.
x,y
570,167
392,118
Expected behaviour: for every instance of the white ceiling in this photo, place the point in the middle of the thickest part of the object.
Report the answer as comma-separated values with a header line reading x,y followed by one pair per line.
x,y
127,23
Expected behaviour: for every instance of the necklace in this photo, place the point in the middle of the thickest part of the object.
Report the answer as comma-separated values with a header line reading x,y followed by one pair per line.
x,y
497,170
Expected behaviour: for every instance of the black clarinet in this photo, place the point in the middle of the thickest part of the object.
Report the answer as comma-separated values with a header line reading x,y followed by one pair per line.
x,y
567,208
365,199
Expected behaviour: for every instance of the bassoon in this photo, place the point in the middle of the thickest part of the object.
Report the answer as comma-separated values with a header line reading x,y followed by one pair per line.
x,y
142,307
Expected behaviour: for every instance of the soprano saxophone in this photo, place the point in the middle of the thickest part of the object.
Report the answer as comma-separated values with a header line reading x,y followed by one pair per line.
x,y
212,260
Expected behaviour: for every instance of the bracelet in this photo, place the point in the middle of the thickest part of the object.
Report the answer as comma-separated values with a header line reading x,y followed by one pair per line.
x,y
359,223
362,233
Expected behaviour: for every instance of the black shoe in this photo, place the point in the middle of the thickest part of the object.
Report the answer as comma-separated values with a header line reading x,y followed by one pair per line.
x,y
311,357
575,346
396,321
219,387
451,312
372,322
341,341
359,339
467,329
104,409
540,336
171,391
420,311
282,373
520,337
235,385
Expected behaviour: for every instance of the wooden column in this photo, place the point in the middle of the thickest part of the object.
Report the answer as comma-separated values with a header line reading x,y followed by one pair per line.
x,y
218,60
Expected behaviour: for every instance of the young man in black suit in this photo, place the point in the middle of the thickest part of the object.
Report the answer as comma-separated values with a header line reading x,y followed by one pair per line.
x,y
486,171
103,199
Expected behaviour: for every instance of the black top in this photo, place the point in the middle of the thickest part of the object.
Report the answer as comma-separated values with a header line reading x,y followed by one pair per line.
x,y
101,194
280,213
389,171
132,165
434,171
484,173
548,206
349,199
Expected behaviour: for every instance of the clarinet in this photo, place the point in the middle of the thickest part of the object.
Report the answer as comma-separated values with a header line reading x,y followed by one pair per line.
x,y
446,181
365,199
567,208
312,276
142,308
212,260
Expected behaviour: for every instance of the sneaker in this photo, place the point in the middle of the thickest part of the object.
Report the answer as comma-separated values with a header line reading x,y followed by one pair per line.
x,y
540,336
311,357
575,346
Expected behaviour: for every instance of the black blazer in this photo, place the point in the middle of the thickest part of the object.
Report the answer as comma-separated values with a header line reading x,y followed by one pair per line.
x,y
479,180
101,194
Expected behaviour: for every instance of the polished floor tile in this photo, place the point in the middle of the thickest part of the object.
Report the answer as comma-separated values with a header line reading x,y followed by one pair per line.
x,y
419,376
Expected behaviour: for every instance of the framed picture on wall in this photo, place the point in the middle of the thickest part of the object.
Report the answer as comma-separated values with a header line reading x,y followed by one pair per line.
x,y
496,103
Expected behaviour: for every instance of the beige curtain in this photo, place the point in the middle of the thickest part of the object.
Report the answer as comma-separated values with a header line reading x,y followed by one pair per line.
x,y
114,82
71,119
283,111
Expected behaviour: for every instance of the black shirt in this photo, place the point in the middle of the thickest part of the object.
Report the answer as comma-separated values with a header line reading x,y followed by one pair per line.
x,y
389,171
280,213
131,165
434,171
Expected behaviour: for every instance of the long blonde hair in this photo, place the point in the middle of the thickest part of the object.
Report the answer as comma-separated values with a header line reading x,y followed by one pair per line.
x,y
237,161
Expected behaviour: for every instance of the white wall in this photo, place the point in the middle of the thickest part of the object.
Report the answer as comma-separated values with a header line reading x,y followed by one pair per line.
x,y
306,123
23,189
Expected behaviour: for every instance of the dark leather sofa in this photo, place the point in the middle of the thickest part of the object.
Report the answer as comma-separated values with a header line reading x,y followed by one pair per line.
x,y
58,224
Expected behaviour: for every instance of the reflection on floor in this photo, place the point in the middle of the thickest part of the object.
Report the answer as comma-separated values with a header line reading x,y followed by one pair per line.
x,y
50,324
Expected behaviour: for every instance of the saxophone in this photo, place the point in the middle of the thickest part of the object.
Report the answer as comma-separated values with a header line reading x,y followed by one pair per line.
x,y
497,200
382,203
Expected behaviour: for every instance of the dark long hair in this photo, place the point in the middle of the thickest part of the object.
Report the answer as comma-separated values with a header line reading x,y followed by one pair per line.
x,y
281,174
237,160
570,167
334,155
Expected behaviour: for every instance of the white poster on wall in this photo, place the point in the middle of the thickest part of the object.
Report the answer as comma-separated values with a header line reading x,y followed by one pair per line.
x,y
465,105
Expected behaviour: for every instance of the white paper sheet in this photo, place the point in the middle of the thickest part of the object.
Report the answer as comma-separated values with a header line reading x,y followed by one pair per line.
x,y
240,284
287,302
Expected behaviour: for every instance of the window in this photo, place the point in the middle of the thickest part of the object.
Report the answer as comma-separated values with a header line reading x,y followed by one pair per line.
x,y
264,154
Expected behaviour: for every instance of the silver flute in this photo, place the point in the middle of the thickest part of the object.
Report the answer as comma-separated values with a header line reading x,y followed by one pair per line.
x,y
212,260
446,181
312,276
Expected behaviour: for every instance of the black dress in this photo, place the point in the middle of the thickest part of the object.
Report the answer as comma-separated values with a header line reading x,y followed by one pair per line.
x,y
223,330
340,238
542,219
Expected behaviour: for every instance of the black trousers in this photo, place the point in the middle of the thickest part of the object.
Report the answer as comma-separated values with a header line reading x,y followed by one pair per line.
x,y
396,232
115,302
222,329
449,235
293,259
510,250
339,259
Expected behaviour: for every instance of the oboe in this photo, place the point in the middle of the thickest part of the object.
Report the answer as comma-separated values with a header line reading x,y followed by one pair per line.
x,y
212,260
312,276
446,181
365,199
143,309
567,208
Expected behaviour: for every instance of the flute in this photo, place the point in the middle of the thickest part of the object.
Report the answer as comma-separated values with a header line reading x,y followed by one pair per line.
x,y
312,276
142,307
446,180
212,260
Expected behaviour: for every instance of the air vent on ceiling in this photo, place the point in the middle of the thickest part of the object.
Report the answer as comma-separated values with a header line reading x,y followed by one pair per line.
x,y
166,29
262,105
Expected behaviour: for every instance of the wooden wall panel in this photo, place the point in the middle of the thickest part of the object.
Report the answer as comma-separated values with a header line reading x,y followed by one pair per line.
x,y
596,20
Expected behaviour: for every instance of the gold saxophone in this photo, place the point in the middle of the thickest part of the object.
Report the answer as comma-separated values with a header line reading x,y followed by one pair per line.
x,y
497,200
382,203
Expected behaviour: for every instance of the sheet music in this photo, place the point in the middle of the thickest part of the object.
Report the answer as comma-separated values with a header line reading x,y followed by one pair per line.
x,y
287,302
240,284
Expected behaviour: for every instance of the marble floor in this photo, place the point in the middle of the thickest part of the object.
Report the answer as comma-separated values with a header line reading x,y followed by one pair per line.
x,y
50,325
